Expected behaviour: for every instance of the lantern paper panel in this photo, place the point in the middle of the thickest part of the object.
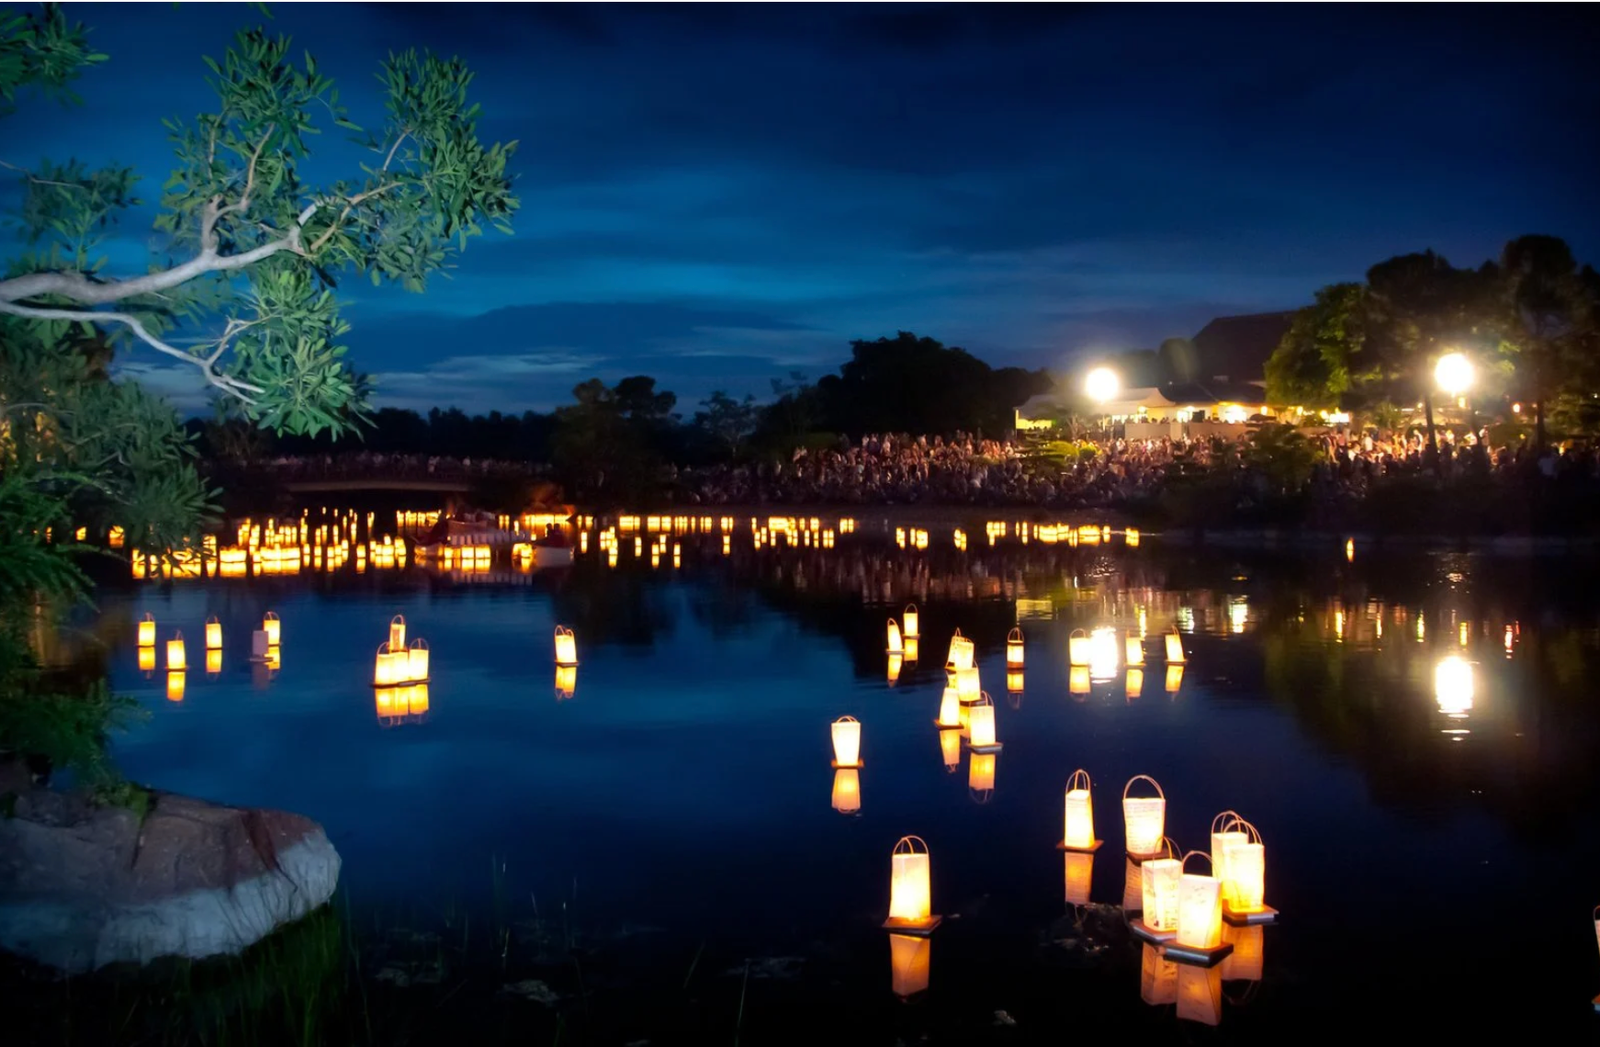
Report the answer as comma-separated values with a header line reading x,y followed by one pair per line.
x,y
147,659
1078,813
980,772
949,708
1133,651
1078,648
1158,977
913,648
213,634
896,646
1078,875
1224,829
274,661
910,894
950,749
847,741
566,646
175,686
1159,882
147,631
1078,679
962,652
177,656
1248,959
259,645
417,668
966,683
1144,818
1200,994
1199,909
1247,872
274,629
397,633
910,963
388,670
847,790
912,621
1014,649
980,726
1174,649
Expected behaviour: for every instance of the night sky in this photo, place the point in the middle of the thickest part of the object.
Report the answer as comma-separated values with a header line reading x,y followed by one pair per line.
x,y
720,195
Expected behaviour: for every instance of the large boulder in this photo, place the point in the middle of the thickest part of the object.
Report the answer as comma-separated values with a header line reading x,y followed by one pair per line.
x,y
83,886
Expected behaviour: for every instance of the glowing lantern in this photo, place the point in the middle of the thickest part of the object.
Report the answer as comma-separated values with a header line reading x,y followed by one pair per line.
x,y
1248,958
1245,868
1078,816
397,633
1014,649
1014,681
213,662
847,790
213,634
1078,679
1350,550
950,749
910,963
896,663
175,684
1135,685
1133,650
1144,818
961,652
1453,686
147,630
1078,876
566,646
895,644
913,621
1158,977
1174,678
913,648
1103,654
910,896
147,659
1160,879
980,726
1131,536
274,629
949,709
1175,648
966,684
417,661
177,658
566,680
1200,994
847,742
1199,908
389,670
980,776
1078,648
115,537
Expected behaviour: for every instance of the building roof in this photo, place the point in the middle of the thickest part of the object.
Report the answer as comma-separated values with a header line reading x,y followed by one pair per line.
x,y
1235,349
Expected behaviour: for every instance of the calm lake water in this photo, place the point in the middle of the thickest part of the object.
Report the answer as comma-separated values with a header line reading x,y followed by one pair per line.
x,y
1434,853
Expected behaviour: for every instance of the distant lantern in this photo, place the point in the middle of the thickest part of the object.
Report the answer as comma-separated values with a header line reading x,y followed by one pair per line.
x,y
566,646
949,708
1225,829
397,633
847,790
1078,876
1199,908
1174,678
1175,649
896,663
1159,879
1350,550
910,963
950,749
961,652
1131,537
913,621
1103,662
1453,686
213,634
1158,977
175,685
1078,679
967,684
1135,684
1078,814
274,629
147,630
147,659
846,742
566,681
1144,817
1014,649
1078,648
1133,650
1246,867
1200,994
1246,962
177,658
417,661
910,893
213,662
896,645
980,726
980,776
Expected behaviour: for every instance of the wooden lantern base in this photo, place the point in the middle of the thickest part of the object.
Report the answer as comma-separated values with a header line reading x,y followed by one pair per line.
x,y
947,726
1093,847
1196,957
915,928
836,765
985,749
1267,914
1139,859
1150,934
566,665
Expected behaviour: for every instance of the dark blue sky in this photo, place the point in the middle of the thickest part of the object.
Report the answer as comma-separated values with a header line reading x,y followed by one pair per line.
x,y
721,194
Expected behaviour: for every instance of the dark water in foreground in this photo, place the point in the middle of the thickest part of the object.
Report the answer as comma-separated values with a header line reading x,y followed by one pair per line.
x,y
1435,857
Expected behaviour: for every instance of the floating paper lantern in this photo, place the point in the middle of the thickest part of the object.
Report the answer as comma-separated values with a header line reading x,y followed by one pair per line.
x,y
1078,648
1078,679
397,633
1144,817
966,683
1133,650
847,742
910,963
1248,959
913,648
213,634
1103,654
913,621
980,776
175,685
1160,879
1014,681
1078,876
1175,648
213,662
1245,863
566,646
910,895
147,659
390,667
1014,649
1158,977
417,661
896,646
949,708
1174,678
980,725
1135,684
177,658
274,629
1200,994
896,663
847,790
1199,908
950,749
147,630
1078,817
961,652
1224,829
1453,686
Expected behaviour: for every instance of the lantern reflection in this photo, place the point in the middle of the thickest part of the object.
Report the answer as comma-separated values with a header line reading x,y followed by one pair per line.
x,y
1453,686
896,662
1174,678
1248,959
896,646
566,681
147,659
175,685
950,749
399,704
1014,649
910,963
847,790
1077,876
980,776
566,646
910,892
1144,818
1135,685
274,660
1078,679
913,648
1078,814
1200,994
213,662
1103,653
912,621
1158,977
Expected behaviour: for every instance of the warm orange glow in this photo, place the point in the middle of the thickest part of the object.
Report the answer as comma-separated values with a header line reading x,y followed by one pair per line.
x,y
213,662
1224,830
913,648
966,683
1174,678
1175,654
961,652
1103,654
390,668
1158,977
1133,650
397,633
896,646
213,634
896,663
1014,649
1144,817
1245,865
847,790
175,684
950,708
1078,648
910,891
274,629
1248,958
1078,818
847,741
1014,682
1199,908
147,659
566,680
1159,879
1078,875
147,631
1200,994
1078,679
913,621
980,725
417,660
177,656
1135,684
910,963
566,646
980,773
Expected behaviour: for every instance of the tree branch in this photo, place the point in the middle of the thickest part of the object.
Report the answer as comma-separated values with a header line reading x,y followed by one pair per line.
x,y
349,205
243,202
36,180
76,286
231,386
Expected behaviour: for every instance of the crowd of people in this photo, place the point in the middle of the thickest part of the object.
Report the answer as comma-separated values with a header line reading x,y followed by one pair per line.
x,y
366,465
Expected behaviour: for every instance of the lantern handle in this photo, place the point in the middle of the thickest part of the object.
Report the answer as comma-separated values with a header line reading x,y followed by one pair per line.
x,y
1251,832
1076,633
956,635
984,699
847,718
980,796
212,620
1169,846
399,618
911,608
562,630
148,617
910,843
1184,861
419,644
1014,636
1226,820
177,634
383,648
1146,777
272,616
1072,782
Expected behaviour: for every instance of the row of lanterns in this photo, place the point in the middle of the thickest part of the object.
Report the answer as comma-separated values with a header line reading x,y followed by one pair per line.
x,y
264,649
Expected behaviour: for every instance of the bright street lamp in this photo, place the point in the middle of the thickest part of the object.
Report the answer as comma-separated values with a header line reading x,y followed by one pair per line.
x,y
1454,373
1102,384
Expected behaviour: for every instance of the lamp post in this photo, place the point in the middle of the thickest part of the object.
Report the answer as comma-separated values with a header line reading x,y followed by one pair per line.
x,y
1101,385
1454,374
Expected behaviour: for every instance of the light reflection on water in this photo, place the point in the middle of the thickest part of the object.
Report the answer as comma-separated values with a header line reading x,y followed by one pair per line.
x,y
1330,700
